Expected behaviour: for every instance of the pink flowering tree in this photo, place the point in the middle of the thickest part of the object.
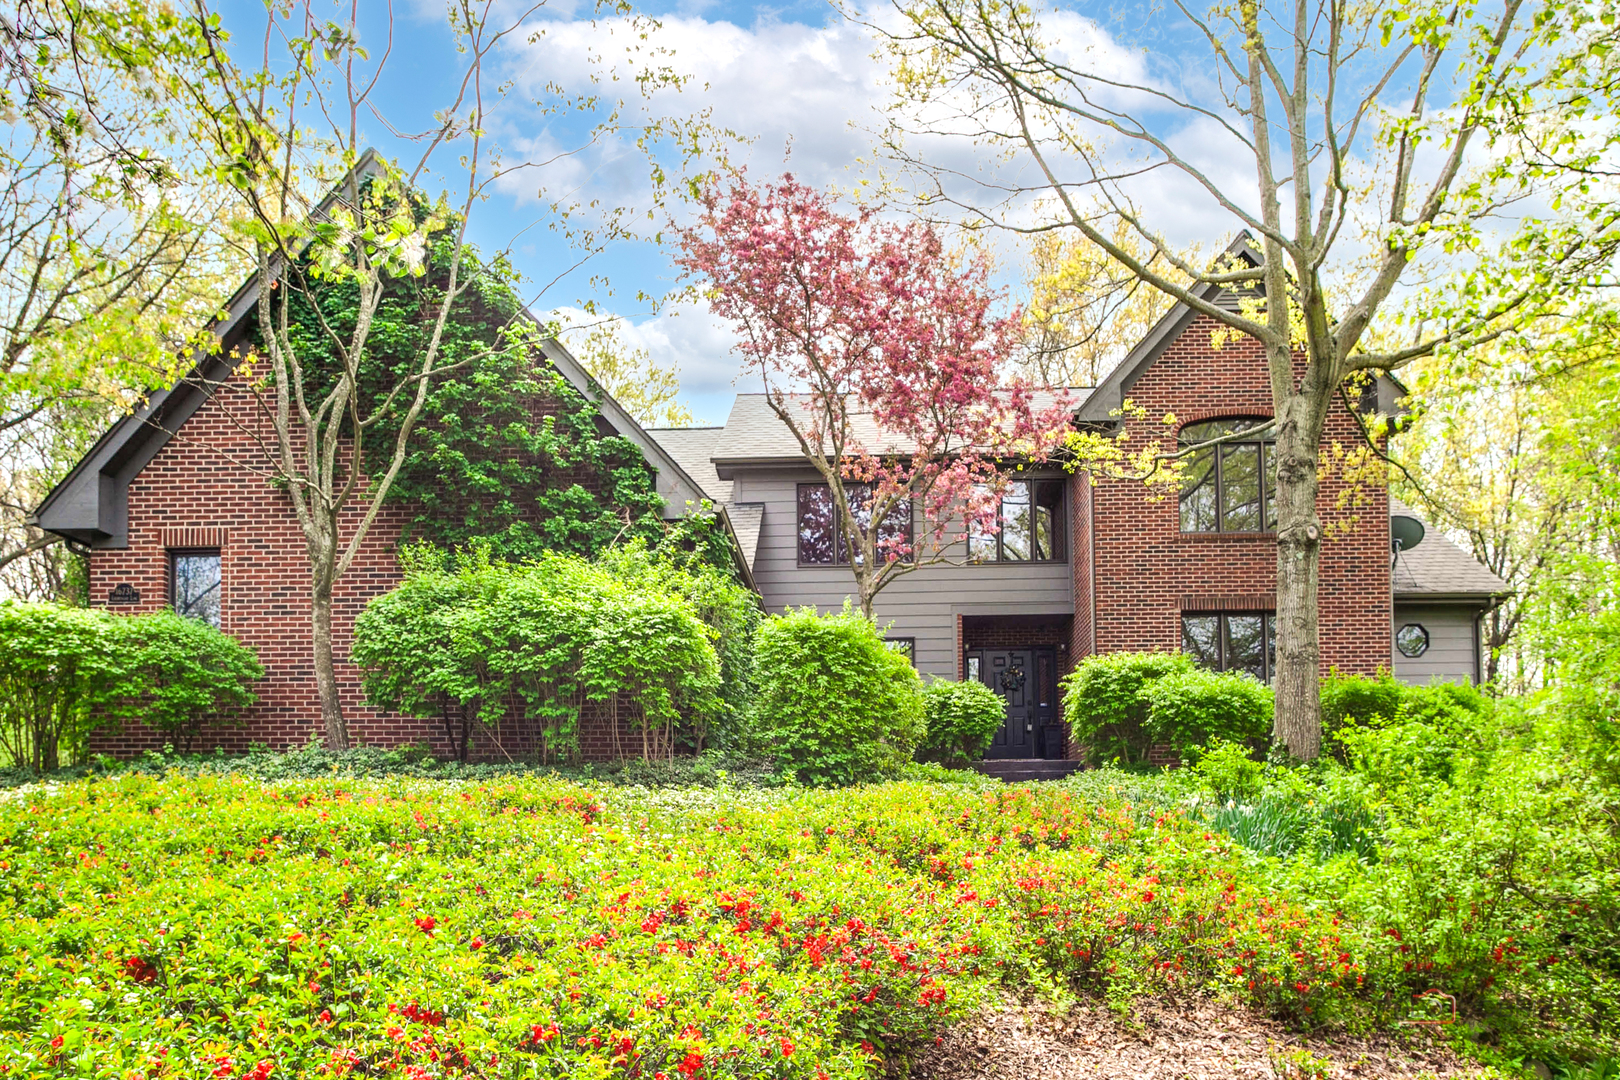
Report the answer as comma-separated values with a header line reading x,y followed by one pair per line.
x,y
884,357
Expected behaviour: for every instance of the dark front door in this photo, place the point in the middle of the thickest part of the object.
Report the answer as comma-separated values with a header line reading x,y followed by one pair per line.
x,y
1026,679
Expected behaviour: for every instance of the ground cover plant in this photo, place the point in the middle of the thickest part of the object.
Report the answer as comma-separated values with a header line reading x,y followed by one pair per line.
x,y
535,927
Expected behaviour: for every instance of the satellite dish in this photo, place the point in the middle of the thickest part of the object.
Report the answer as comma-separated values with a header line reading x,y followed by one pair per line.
x,y
1405,533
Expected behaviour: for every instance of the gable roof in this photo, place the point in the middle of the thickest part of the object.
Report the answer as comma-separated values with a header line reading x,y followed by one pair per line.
x,y
91,504
1102,406
1438,569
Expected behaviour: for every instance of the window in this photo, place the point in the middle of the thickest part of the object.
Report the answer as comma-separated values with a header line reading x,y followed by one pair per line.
x,y
821,541
1031,525
905,646
1232,641
194,584
1230,487
1412,640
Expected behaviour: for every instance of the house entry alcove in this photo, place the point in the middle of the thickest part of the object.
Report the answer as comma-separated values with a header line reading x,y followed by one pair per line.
x,y
1021,658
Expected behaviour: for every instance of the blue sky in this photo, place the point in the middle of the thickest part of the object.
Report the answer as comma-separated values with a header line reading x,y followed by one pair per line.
x,y
794,79
775,73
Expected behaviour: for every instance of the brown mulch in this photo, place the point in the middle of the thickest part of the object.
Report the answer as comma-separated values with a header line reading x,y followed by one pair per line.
x,y
1194,1040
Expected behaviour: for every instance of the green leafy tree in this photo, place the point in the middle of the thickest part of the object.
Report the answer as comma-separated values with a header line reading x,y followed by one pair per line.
x,y
1369,151
315,210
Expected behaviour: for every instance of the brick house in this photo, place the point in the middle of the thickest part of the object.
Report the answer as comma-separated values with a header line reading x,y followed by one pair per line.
x,y
171,511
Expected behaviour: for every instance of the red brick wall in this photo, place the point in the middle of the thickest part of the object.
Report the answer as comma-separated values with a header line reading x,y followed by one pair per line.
x,y
207,488
1147,571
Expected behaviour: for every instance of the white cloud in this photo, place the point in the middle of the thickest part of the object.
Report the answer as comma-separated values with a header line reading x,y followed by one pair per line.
x,y
689,338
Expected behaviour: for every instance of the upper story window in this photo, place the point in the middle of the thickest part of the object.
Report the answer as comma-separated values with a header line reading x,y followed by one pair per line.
x,y
821,539
1031,525
1230,487
194,584
1232,641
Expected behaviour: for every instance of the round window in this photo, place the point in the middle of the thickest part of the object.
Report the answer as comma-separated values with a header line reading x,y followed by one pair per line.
x,y
1412,640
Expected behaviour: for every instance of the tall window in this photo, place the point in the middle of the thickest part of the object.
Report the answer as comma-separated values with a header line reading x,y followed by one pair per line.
x,y
194,584
1228,488
1232,641
821,540
1031,520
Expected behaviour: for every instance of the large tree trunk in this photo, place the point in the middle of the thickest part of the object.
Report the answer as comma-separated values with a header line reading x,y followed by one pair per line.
x,y
332,721
1298,724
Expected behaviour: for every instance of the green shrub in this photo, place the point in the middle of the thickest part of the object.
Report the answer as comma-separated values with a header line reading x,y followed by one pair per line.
x,y
1105,704
1189,708
57,665
178,674
66,671
1359,699
836,705
1227,770
468,646
960,718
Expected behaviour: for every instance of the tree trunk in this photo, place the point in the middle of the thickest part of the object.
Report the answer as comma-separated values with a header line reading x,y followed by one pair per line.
x,y
332,721
1298,724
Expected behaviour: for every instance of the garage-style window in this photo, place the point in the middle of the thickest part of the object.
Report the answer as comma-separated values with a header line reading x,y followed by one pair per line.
x,y
194,584
821,540
1228,488
1232,641
1031,521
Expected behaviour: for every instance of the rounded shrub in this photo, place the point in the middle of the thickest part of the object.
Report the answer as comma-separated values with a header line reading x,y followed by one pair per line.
x,y
181,673
960,719
66,671
1105,703
835,704
1190,708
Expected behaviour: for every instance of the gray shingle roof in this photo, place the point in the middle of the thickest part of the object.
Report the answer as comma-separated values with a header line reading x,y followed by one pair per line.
x,y
1439,568
754,433
693,449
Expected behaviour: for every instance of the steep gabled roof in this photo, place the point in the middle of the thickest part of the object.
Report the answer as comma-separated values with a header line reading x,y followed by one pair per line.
x,y
91,504
1109,396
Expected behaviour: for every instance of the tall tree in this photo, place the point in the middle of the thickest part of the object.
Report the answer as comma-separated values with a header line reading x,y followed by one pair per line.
x,y
649,392
883,358
1360,146
109,254
316,212
1085,310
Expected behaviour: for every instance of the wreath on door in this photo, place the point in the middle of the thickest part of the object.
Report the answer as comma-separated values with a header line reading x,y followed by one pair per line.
x,y
1012,679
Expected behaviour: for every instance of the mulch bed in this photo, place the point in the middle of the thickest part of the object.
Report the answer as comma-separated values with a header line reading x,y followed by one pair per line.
x,y
1162,1041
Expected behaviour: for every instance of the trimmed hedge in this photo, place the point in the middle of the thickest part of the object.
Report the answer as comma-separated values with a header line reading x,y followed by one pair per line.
x,y
836,705
961,718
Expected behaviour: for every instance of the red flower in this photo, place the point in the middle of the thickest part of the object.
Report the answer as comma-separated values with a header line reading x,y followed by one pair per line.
x,y
326,1016
56,1043
787,1047
261,1071
140,969
476,944
426,924
691,1063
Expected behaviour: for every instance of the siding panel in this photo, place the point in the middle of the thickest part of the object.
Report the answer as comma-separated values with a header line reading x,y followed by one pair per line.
x,y
922,605
1451,656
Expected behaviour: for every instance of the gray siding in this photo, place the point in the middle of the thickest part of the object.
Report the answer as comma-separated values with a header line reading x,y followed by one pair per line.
x,y
922,605
1453,654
